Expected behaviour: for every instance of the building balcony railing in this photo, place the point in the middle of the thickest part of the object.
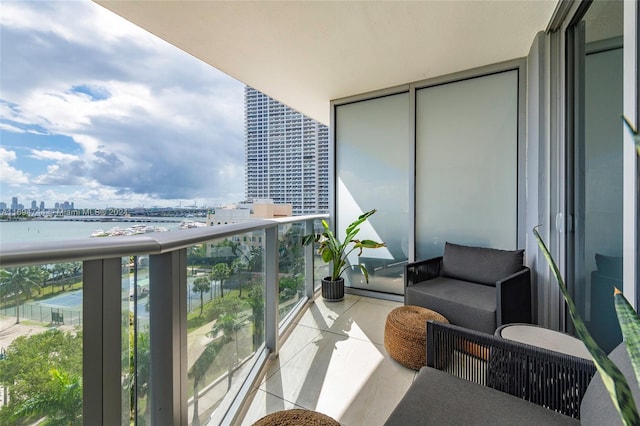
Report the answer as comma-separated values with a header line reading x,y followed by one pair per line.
x,y
162,328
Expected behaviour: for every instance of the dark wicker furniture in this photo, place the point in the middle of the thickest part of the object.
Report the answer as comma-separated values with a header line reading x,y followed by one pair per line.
x,y
517,384
473,287
510,383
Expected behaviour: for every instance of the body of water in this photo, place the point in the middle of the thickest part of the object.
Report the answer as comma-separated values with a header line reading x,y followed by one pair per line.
x,y
52,230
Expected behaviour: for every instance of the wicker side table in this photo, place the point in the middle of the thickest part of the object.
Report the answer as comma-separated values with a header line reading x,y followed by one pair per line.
x,y
405,334
296,417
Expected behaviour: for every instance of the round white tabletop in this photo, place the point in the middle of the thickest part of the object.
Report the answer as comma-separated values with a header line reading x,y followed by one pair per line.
x,y
545,338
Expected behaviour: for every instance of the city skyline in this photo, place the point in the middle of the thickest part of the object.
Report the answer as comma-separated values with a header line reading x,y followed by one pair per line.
x,y
98,111
17,203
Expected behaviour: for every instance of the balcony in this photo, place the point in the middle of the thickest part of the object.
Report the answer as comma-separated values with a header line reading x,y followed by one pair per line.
x,y
196,348
532,39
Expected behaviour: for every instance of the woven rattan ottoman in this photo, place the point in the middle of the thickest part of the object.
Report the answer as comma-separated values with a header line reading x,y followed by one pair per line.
x,y
405,334
296,417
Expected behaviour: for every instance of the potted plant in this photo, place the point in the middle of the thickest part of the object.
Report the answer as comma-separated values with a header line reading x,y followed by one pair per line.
x,y
336,252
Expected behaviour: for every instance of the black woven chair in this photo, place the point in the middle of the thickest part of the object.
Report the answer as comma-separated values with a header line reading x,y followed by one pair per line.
x,y
476,378
551,379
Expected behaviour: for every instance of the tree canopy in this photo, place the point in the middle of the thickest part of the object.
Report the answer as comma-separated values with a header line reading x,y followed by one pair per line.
x,y
39,370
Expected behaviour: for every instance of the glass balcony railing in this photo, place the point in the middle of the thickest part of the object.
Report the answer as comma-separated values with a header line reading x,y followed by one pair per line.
x,y
164,328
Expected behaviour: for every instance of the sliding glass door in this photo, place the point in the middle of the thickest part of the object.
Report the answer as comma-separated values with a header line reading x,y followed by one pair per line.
x,y
595,167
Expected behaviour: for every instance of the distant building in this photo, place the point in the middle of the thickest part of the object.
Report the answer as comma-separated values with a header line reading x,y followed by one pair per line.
x,y
65,206
286,154
34,205
3,206
14,203
41,205
244,212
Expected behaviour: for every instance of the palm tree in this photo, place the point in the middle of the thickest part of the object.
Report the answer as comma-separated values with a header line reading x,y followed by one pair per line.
x,y
140,368
238,265
256,301
229,324
200,285
220,272
62,404
197,372
20,281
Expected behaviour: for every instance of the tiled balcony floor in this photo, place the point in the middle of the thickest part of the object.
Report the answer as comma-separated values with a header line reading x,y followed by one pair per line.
x,y
334,362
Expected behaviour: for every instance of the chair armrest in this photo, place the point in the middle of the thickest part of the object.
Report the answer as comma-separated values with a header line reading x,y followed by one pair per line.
x,y
514,298
422,270
550,379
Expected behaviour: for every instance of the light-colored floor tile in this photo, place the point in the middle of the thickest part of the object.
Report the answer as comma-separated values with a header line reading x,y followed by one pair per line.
x,y
376,400
263,403
365,320
299,338
383,302
334,362
322,315
342,377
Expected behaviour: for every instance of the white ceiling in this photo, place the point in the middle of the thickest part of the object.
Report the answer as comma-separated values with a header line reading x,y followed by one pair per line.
x,y
306,53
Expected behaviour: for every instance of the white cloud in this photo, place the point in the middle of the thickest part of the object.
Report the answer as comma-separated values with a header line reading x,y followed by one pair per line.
x,y
75,22
52,155
8,174
144,122
10,128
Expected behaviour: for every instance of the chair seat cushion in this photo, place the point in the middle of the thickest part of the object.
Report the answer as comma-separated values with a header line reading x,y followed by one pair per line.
x,y
463,303
438,398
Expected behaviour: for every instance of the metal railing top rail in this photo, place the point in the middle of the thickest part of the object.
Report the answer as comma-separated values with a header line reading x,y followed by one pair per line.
x,y
40,252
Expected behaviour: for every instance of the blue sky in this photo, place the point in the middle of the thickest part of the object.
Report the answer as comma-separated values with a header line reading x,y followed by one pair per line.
x,y
97,111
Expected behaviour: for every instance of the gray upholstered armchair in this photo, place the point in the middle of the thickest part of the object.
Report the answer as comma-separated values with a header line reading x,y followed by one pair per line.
x,y
473,287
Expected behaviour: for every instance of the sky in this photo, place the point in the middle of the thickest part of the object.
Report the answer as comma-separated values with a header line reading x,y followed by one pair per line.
x,y
97,111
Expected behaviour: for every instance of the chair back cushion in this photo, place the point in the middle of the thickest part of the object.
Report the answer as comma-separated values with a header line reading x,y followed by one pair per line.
x,y
596,407
480,264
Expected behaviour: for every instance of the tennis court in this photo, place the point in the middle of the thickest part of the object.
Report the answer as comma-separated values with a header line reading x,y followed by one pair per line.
x,y
66,300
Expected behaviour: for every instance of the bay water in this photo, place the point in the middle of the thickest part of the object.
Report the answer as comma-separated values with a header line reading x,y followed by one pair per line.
x,y
58,230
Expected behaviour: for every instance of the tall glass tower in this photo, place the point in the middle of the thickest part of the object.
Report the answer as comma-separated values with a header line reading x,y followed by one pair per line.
x,y
286,154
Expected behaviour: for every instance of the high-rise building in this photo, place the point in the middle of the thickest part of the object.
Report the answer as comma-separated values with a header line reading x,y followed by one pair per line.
x,y
14,203
34,204
286,154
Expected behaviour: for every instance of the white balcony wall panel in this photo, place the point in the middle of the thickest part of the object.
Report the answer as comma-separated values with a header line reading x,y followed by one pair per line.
x,y
372,149
467,164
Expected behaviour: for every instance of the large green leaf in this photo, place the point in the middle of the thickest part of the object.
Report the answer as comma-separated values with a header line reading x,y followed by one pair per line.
x,y
613,379
627,317
336,252
630,326
634,134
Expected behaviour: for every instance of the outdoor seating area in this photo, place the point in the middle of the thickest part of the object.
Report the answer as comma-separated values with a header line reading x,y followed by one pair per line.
x,y
337,366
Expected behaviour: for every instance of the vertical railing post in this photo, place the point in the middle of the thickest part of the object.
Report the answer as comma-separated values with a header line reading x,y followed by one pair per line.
x,y
102,342
168,338
271,290
309,267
